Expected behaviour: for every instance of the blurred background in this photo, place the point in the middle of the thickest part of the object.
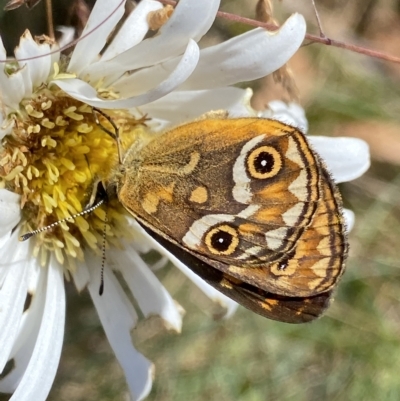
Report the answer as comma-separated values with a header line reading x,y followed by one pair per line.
x,y
353,352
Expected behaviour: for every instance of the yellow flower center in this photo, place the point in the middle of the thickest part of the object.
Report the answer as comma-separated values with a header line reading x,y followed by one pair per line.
x,y
53,158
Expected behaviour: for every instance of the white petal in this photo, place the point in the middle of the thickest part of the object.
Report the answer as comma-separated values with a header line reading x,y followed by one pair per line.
x,y
145,79
40,64
40,372
3,244
160,264
54,58
292,114
346,158
4,249
87,94
10,211
67,35
27,75
105,15
227,303
191,19
28,332
81,276
13,87
181,106
115,313
3,53
12,294
141,243
3,56
211,292
6,125
246,57
349,219
152,297
32,317
113,293
243,108
34,277
134,29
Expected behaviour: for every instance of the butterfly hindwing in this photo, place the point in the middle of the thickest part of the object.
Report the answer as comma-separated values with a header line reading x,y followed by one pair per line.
x,y
264,303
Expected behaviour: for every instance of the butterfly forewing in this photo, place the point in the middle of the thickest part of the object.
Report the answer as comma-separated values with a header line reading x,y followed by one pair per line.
x,y
200,175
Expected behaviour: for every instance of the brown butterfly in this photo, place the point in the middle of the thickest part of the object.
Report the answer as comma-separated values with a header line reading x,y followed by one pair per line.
x,y
247,205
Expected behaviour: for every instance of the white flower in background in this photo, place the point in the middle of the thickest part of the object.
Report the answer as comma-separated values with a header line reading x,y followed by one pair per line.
x,y
52,150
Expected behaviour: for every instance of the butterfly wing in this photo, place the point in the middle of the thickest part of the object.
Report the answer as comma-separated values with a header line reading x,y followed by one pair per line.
x,y
248,197
267,304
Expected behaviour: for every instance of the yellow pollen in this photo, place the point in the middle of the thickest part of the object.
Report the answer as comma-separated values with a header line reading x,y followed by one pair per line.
x,y
59,255
107,94
46,105
56,68
100,213
67,163
61,122
70,112
58,243
5,160
54,157
47,124
48,141
90,239
32,112
49,202
82,149
33,129
32,172
82,224
85,108
84,128
13,173
73,201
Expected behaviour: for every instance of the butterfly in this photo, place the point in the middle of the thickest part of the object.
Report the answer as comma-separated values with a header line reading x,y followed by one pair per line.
x,y
247,205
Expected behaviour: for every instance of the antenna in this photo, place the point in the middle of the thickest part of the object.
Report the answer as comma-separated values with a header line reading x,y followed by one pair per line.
x,y
30,234
103,258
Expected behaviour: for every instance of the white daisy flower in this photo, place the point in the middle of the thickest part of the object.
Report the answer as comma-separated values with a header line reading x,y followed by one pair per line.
x,y
52,150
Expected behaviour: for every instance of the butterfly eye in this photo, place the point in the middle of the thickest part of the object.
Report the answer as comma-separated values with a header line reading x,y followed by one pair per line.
x,y
264,162
222,240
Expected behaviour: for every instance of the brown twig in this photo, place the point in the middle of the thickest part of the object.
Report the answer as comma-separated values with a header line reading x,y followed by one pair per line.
x,y
313,38
236,18
50,22
321,31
